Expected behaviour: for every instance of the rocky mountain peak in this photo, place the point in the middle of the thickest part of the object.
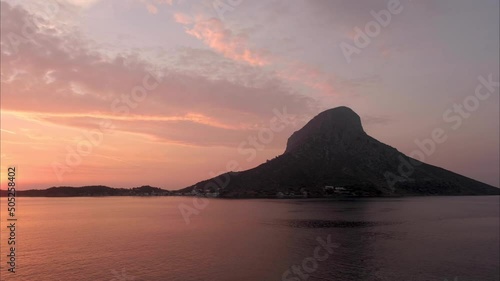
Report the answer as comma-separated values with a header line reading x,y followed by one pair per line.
x,y
328,127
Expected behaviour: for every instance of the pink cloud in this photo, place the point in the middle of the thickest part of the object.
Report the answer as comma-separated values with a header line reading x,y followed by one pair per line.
x,y
221,39
183,18
152,5
152,8
58,79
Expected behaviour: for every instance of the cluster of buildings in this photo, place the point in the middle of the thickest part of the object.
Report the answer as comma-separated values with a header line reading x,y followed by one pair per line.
x,y
327,191
199,192
340,190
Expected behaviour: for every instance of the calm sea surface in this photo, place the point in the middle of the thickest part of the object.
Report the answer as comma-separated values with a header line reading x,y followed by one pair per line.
x,y
134,238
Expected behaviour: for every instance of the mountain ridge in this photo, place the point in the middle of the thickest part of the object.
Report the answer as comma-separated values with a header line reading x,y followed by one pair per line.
x,y
330,156
332,150
89,191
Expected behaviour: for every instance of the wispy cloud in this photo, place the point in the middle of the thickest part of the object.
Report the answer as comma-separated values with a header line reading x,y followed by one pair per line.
x,y
216,35
7,131
79,85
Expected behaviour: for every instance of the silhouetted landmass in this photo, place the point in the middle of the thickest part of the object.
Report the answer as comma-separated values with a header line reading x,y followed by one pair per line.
x,y
95,190
333,156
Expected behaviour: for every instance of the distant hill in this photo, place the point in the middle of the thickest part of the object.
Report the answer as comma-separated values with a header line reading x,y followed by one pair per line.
x,y
95,190
333,154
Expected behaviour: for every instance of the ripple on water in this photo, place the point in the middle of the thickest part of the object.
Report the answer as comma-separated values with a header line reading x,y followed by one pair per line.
x,y
331,223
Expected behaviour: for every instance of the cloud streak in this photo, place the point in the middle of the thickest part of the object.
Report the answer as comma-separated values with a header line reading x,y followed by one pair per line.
x,y
217,36
58,79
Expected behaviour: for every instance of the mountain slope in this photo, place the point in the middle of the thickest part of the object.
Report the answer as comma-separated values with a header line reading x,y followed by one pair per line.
x,y
333,150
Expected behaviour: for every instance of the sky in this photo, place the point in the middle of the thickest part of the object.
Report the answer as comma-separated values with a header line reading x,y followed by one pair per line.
x,y
171,92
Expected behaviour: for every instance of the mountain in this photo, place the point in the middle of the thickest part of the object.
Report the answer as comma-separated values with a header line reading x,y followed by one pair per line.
x,y
94,190
331,155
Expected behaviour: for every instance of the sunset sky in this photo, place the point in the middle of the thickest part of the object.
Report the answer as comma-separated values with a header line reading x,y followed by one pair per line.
x,y
168,92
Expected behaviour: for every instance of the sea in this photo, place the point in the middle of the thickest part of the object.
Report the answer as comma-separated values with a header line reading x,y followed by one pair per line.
x,y
201,239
